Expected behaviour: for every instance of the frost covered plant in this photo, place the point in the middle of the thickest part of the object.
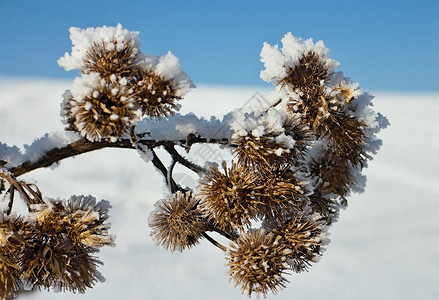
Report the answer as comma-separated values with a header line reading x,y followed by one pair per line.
x,y
107,110
227,198
257,262
119,85
10,246
177,222
297,157
55,245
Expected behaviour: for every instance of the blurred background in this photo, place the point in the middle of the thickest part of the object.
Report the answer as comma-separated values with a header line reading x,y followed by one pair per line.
x,y
384,245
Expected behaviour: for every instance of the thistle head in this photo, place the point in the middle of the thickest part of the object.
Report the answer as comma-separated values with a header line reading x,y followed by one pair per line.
x,y
156,96
257,262
105,50
303,237
119,58
100,109
260,153
59,250
177,222
55,260
280,191
87,221
10,247
227,197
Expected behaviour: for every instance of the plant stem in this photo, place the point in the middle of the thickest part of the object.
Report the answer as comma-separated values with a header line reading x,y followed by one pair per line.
x,y
214,242
83,146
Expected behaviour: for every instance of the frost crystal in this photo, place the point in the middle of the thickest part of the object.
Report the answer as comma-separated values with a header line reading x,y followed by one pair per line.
x,y
82,39
293,49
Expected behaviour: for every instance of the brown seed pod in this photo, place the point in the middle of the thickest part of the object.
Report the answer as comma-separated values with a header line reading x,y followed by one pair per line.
x,y
308,74
50,258
155,95
177,223
260,153
10,247
105,112
87,221
257,262
303,237
280,191
53,260
107,60
228,198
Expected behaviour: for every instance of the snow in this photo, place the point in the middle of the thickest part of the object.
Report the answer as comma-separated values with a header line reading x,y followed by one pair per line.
x,y
293,49
168,67
384,245
112,37
178,127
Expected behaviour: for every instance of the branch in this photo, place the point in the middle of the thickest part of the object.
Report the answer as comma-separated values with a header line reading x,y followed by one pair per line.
x,y
214,242
231,235
21,187
180,159
83,146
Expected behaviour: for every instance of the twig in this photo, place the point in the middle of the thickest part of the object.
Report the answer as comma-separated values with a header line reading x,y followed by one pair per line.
x,y
170,147
214,242
83,146
161,167
17,185
232,236
173,186
11,192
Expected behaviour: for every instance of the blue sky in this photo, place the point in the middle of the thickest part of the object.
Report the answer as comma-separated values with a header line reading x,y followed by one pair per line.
x,y
384,45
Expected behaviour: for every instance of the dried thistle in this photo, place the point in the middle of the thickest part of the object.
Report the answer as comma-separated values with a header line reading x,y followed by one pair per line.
x,y
156,96
280,191
333,168
51,258
257,262
105,58
309,78
82,218
177,222
87,221
301,133
308,74
10,248
228,198
260,153
107,111
324,204
282,143
303,236
346,136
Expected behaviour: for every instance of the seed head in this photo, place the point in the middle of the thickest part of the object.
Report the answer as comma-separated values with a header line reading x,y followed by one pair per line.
x,y
59,249
259,153
227,198
111,58
308,73
53,260
87,221
156,96
280,191
177,222
303,237
10,248
106,111
256,263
